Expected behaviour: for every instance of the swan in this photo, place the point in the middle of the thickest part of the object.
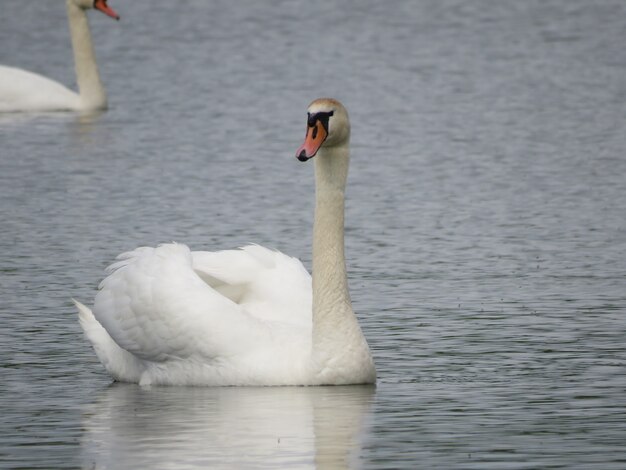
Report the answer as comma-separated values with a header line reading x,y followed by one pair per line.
x,y
249,316
21,90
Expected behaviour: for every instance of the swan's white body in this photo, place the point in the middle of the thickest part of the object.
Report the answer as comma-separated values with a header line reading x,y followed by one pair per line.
x,y
252,316
23,91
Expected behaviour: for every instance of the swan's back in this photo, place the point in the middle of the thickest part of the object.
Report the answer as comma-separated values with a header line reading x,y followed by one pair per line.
x,y
21,90
179,329
268,284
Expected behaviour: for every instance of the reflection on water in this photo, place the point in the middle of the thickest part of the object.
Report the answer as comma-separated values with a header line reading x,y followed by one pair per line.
x,y
128,426
85,131
89,118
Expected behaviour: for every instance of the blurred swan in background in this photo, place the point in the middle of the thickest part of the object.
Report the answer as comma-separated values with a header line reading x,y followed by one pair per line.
x,y
252,316
23,91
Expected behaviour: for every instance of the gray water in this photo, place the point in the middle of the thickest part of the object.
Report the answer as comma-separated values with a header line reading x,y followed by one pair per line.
x,y
485,227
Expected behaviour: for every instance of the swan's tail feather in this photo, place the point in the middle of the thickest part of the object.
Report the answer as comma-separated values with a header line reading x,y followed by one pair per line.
x,y
87,321
121,364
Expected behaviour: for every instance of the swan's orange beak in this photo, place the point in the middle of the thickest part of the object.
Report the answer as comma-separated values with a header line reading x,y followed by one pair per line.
x,y
106,9
315,137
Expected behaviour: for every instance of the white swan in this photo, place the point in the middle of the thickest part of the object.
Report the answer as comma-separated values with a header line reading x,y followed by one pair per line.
x,y
21,90
251,316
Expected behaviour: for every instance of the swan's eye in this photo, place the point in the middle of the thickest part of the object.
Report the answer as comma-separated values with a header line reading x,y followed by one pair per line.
x,y
323,117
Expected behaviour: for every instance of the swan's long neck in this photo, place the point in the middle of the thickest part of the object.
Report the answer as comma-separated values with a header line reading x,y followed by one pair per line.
x,y
330,283
337,338
91,91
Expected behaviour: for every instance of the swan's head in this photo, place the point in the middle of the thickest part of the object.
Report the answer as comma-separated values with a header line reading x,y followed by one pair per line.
x,y
100,5
327,126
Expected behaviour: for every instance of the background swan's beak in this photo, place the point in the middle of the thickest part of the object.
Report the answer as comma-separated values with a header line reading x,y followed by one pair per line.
x,y
102,6
315,137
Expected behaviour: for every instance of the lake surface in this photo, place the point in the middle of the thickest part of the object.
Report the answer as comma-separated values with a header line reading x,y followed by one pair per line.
x,y
485,227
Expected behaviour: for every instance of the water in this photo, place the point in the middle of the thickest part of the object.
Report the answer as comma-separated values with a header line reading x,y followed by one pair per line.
x,y
486,228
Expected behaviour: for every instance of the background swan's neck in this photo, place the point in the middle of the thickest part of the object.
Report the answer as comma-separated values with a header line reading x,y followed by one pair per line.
x,y
338,343
91,91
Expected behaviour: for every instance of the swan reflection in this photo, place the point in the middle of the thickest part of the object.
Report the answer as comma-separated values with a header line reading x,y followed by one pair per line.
x,y
128,426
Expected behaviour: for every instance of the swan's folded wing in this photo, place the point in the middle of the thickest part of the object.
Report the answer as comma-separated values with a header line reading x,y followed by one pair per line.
x,y
268,284
155,306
